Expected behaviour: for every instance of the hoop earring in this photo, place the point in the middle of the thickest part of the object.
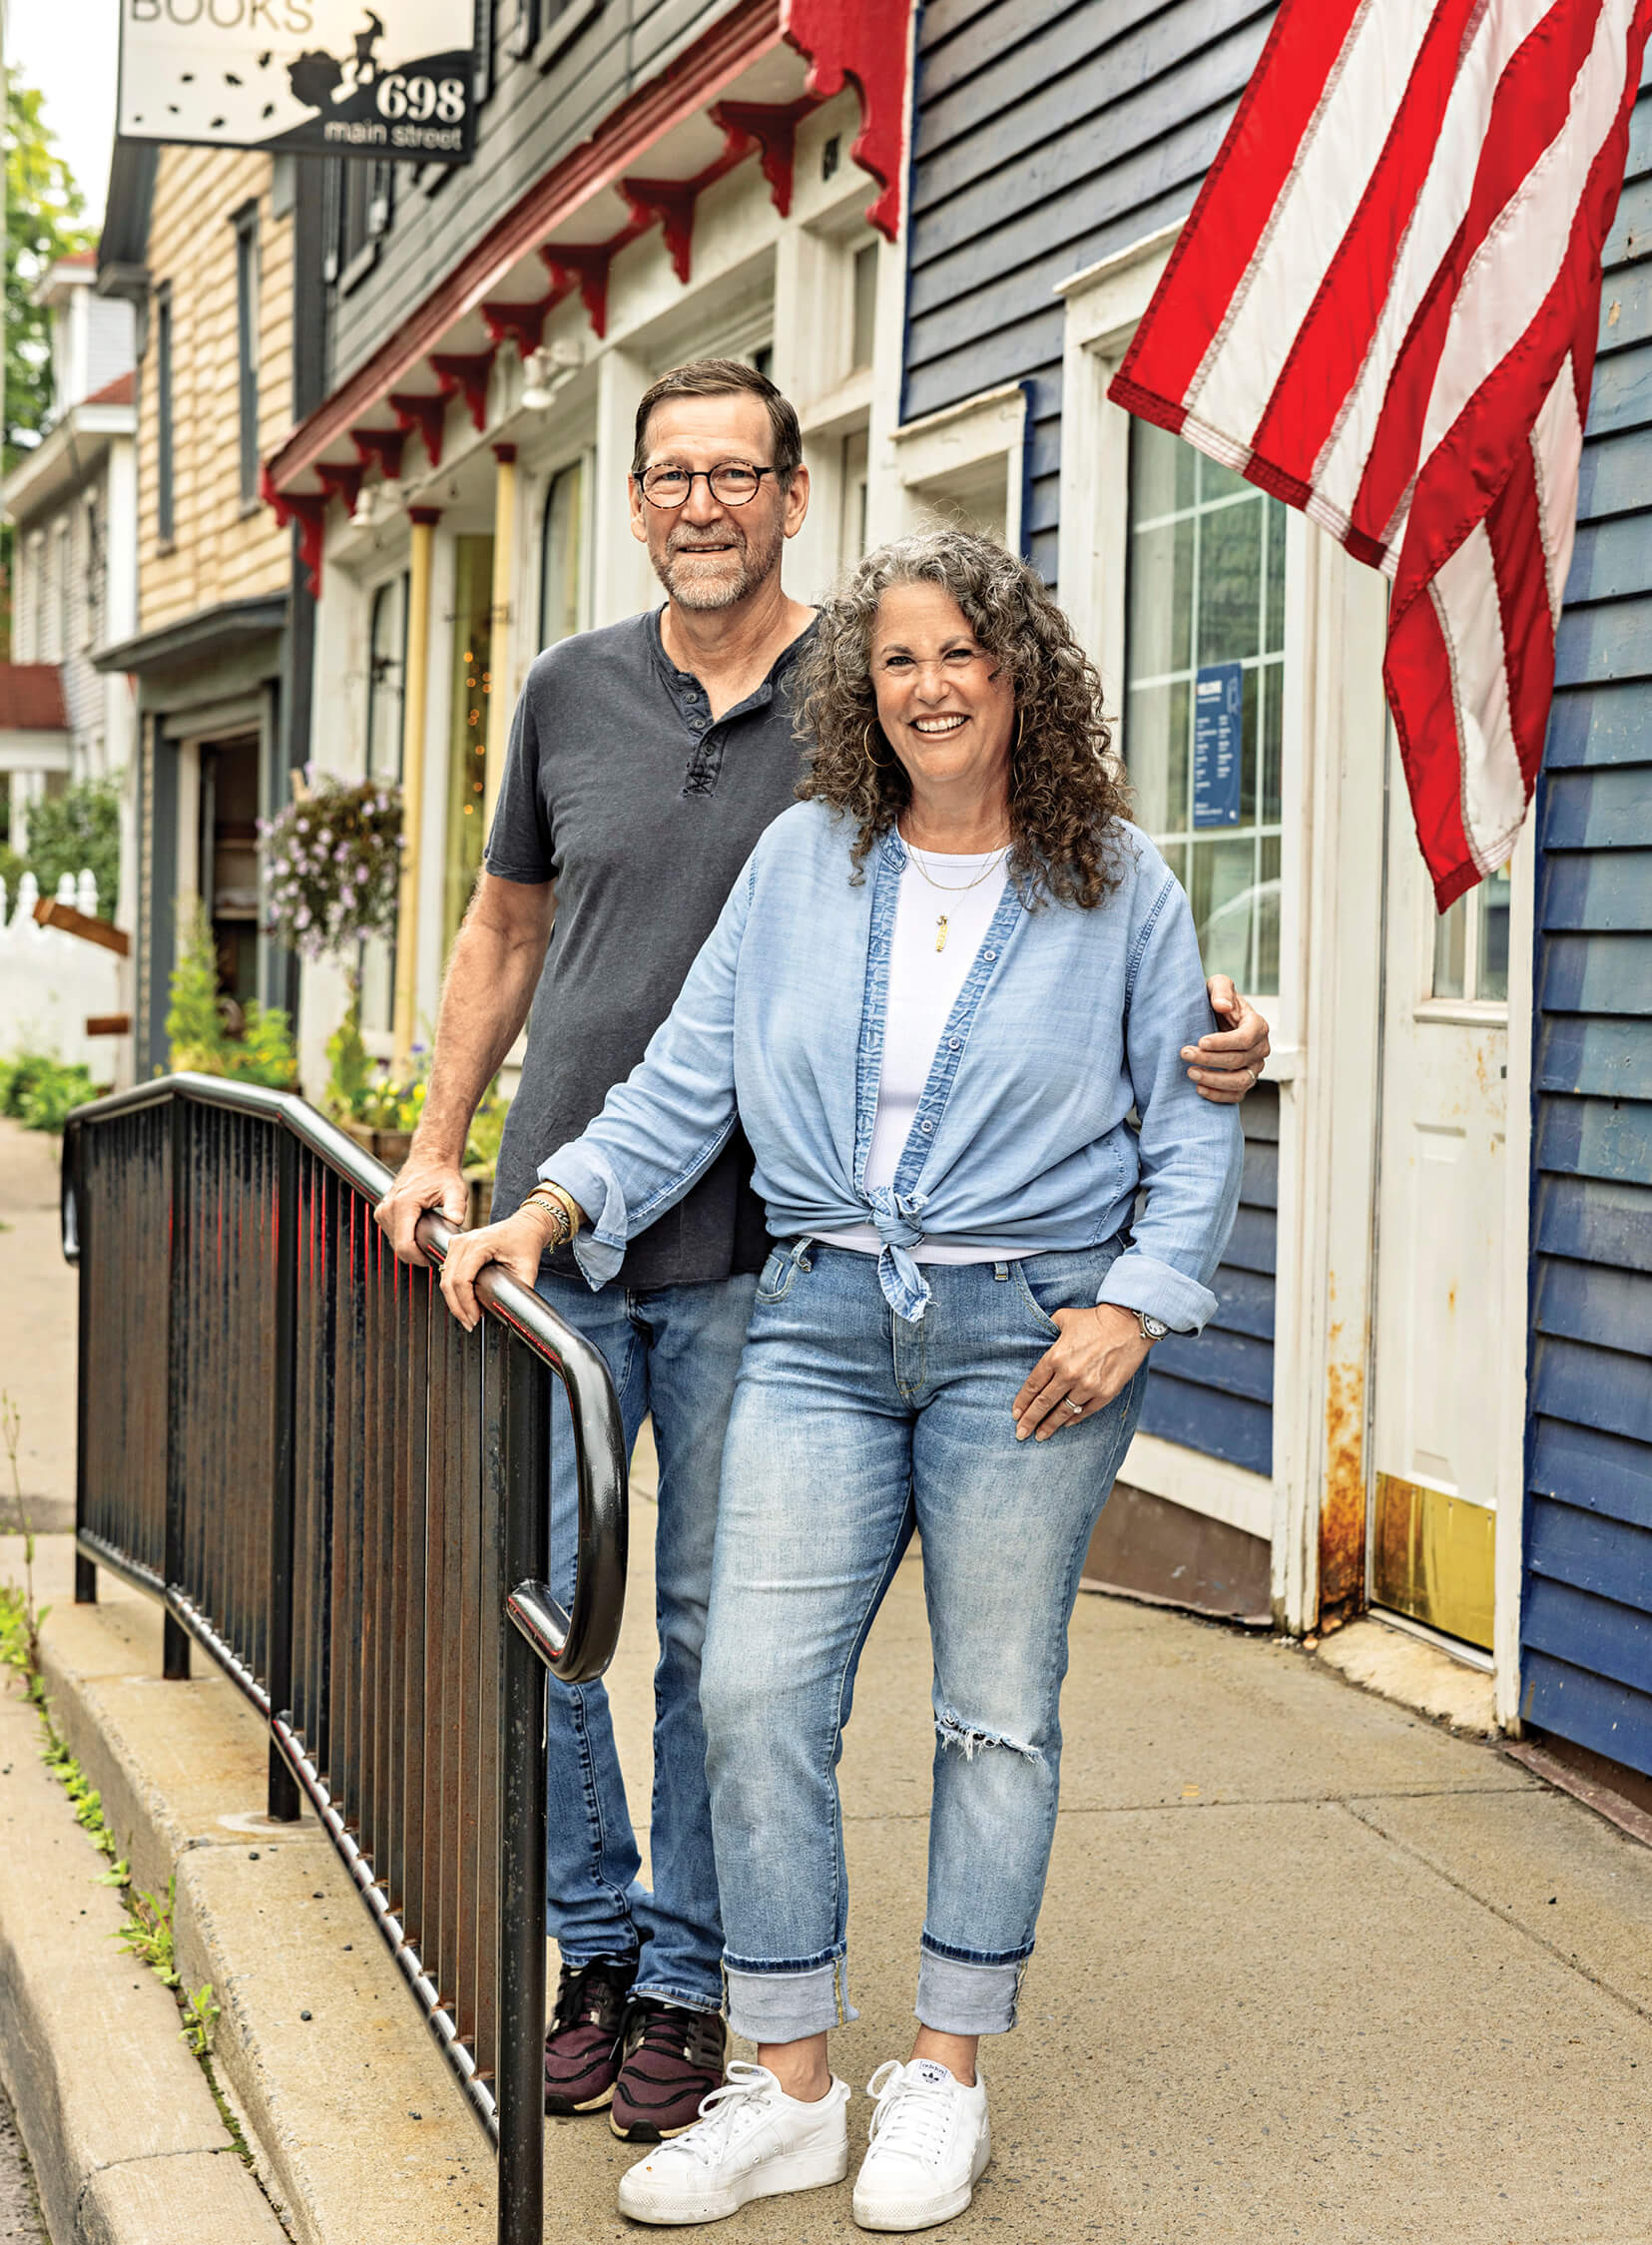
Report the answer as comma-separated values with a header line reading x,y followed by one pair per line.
x,y
877,762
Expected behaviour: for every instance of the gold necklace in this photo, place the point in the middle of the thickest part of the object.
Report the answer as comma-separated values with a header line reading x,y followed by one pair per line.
x,y
951,887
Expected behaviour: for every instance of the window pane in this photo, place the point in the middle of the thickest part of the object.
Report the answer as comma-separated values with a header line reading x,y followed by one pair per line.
x,y
1450,950
1161,600
561,556
1161,470
1272,637
1218,482
1265,968
1494,911
1157,756
1250,710
865,303
385,680
1223,900
1270,686
1229,583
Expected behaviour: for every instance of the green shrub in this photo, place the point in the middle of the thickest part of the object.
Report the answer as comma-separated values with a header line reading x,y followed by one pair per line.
x,y
197,1028
39,1092
79,829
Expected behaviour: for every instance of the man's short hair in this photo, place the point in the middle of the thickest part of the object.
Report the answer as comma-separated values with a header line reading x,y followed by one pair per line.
x,y
724,377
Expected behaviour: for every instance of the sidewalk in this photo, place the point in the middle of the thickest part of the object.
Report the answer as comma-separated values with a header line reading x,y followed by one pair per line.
x,y
1309,1967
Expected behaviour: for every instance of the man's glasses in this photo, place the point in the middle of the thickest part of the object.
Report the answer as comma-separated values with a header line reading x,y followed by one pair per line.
x,y
731,484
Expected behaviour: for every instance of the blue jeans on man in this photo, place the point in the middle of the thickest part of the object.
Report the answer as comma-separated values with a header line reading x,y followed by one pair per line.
x,y
673,1352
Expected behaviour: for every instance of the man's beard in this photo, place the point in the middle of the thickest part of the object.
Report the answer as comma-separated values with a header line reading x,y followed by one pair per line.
x,y
740,570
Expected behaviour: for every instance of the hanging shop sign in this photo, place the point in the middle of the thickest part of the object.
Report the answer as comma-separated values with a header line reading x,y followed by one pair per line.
x,y
309,77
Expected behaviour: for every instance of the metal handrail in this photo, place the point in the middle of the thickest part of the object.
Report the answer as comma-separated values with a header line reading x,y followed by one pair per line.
x,y
205,1602
576,1645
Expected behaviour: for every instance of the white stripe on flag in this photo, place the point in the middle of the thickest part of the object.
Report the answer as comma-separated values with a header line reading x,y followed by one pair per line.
x,y
1440,210
1517,264
1465,594
1557,458
1316,208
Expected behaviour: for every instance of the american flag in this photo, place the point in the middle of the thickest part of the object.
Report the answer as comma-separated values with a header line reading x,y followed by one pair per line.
x,y
1383,310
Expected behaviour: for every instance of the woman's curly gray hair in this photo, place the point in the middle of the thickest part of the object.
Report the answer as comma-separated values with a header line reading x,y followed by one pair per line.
x,y
1066,792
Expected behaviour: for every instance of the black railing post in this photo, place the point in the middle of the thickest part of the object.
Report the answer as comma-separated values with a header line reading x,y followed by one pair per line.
x,y
520,2081
74,1211
175,1641
284,1798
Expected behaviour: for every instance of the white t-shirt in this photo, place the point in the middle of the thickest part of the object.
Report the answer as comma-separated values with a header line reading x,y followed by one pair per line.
x,y
924,981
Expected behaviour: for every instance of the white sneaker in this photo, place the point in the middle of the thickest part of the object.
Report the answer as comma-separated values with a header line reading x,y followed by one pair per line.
x,y
931,2142
751,2141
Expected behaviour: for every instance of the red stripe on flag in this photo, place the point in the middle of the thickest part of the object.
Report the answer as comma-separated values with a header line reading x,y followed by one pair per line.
x,y
1417,672
1515,529
1333,338
1529,108
1252,165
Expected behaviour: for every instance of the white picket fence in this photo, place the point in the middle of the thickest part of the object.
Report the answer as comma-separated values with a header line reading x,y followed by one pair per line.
x,y
52,982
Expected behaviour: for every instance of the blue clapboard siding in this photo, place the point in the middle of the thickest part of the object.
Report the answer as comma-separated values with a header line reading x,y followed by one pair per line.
x,y
1586,1610
1215,1392
1045,135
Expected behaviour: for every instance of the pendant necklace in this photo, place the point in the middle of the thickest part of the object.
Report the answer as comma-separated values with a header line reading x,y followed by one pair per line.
x,y
949,887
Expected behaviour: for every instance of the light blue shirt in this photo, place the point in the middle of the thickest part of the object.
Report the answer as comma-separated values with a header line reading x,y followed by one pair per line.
x,y
1069,1023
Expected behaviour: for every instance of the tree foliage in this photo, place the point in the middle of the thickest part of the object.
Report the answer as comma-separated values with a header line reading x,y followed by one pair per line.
x,y
45,211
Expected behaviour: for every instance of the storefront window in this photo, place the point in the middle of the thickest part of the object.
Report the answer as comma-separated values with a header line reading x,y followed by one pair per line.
x,y
1204,698
562,555
386,688
467,724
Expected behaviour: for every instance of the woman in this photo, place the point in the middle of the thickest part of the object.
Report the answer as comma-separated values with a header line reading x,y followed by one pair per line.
x,y
940,990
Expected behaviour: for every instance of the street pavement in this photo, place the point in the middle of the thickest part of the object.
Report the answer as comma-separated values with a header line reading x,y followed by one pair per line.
x,y
37,1330
1309,1965
19,2207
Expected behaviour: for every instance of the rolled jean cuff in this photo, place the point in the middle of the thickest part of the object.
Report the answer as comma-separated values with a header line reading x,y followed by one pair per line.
x,y
784,2006
958,1998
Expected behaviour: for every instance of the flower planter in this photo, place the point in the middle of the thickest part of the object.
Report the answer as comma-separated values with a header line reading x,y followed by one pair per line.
x,y
386,1146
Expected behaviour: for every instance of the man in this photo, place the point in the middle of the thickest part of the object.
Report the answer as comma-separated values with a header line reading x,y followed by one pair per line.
x,y
645,760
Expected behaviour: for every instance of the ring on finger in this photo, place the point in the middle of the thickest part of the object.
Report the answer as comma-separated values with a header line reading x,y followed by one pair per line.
x,y
1077,1410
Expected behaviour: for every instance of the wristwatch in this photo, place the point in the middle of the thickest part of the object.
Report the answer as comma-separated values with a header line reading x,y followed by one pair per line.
x,y
1153,1329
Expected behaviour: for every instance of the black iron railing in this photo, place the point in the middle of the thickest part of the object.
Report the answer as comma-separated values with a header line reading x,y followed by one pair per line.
x,y
343,1497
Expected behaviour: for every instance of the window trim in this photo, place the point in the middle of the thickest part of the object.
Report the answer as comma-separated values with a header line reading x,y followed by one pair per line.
x,y
992,425
249,289
166,505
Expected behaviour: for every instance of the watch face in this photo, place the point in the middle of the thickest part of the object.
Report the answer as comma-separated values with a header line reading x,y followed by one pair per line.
x,y
1154,1327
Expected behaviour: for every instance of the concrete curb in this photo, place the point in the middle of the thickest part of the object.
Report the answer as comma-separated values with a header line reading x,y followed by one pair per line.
x,y
127,2144
349,2111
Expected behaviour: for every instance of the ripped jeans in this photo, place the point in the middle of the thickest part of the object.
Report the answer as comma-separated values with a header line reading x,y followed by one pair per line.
x,y
851,1426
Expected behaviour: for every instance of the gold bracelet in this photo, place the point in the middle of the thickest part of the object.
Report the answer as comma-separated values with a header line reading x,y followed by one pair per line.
x,y
561,1234
552,1197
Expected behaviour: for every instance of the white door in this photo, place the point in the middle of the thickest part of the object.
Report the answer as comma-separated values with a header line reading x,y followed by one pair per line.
x,y
1440,1290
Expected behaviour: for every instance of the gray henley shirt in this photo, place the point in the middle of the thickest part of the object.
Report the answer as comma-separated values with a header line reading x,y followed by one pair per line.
x,y
620,789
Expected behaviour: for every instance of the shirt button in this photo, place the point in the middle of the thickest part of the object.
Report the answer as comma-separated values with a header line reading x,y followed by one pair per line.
x,y
926,1126
954,1044
989,956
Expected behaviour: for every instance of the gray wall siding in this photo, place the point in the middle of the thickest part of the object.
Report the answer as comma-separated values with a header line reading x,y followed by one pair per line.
x,y
1586,1614
531,120
1046,136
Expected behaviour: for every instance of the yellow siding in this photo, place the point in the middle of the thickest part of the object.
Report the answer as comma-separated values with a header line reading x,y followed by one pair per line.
x,y
218,550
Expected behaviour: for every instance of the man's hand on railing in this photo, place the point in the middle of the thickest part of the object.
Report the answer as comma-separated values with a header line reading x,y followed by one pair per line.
x,y
425,1181
516,1245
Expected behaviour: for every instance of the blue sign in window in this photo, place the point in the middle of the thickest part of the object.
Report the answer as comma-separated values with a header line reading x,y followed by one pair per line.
x,y
1218,743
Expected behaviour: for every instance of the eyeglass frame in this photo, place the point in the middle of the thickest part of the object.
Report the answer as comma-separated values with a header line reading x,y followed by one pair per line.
x,y
668,506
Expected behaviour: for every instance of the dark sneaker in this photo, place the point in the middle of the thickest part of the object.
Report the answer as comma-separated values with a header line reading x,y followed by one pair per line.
x,y
672,2059
582,2049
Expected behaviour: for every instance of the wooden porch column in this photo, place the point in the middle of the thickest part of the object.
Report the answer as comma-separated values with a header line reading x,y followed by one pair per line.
x,y
499,653
415,725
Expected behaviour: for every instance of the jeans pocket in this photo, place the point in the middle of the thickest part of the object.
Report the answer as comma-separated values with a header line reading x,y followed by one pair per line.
x,y
1070,1281
1036,1309
780,1272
